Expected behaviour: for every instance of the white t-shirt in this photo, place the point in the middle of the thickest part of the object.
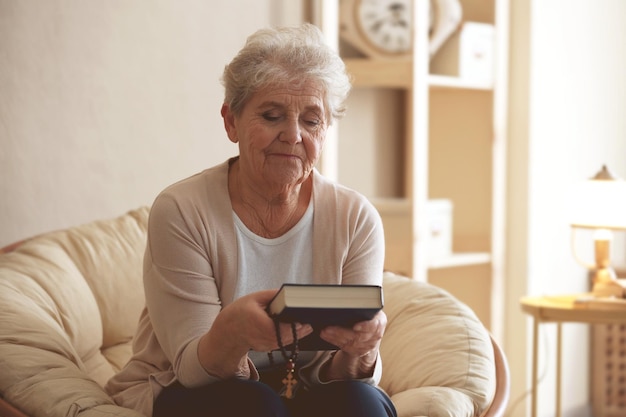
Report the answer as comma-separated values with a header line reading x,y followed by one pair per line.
x,y
265,264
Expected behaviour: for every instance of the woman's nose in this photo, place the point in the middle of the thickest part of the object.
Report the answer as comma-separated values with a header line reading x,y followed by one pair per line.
x,y
292,133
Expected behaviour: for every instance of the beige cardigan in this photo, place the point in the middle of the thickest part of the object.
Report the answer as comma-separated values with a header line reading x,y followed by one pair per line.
x,y
191,257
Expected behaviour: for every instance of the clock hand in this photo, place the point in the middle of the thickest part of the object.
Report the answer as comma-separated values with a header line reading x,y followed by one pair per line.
x,y
396,7
401,22
375,27
397,11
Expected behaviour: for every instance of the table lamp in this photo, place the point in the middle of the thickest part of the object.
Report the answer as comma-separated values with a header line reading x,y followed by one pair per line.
x,y
600,205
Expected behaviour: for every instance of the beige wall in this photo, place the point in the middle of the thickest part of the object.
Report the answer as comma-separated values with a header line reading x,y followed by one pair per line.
x,y
568,98
104,103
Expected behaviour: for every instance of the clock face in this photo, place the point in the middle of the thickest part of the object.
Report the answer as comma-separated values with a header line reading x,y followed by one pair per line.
x,y
387,24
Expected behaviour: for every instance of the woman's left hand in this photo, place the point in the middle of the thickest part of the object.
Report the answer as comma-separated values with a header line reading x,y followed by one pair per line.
x,y
358,347
359,340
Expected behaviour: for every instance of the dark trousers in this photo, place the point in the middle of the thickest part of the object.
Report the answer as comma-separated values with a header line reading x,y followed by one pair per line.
x,y
245,398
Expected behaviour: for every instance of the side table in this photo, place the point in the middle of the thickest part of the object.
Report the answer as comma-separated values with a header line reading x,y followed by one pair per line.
x,y
575,308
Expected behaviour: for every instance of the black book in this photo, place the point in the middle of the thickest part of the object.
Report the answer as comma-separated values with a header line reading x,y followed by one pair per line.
x,y
324,305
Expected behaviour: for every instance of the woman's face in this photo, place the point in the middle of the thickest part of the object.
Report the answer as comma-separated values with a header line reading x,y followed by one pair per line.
x,y
280,133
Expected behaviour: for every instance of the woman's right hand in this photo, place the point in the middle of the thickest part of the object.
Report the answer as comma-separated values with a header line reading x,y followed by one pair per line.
x,y
239,327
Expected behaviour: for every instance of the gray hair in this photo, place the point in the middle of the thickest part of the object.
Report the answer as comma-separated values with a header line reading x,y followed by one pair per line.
x,y
287,54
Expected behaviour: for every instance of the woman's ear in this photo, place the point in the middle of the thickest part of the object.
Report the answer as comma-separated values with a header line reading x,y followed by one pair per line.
x,y
229,123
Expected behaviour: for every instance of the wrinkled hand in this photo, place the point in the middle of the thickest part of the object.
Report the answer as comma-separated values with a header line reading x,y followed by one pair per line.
x,y
249,319
239,327
358,349
363,338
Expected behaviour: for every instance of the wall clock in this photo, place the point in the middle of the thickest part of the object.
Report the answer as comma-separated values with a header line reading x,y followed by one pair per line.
x,y
378,28
384,28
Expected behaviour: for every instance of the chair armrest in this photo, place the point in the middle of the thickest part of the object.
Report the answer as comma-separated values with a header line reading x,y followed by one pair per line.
x,y
503,383
8,410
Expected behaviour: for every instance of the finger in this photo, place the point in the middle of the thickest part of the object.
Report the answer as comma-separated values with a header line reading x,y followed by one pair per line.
x,y
287,331
304,330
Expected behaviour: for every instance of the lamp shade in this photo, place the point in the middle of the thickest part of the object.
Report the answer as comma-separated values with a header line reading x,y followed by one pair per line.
x,y
600,202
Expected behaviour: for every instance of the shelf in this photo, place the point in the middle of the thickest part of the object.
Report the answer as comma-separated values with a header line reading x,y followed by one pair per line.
x,y
460,259
398,74
449,82
381,74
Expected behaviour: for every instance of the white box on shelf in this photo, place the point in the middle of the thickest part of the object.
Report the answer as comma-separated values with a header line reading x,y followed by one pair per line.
x,y
439,236
468,54
476,52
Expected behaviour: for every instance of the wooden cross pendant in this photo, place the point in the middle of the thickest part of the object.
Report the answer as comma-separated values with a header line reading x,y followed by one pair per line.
x,y
290,382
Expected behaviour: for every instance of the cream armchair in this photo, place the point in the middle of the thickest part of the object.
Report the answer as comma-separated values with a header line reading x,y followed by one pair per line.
x,y
70,300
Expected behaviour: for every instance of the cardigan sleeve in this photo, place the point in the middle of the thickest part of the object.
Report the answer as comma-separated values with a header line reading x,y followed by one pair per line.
x,y
181,293
349,241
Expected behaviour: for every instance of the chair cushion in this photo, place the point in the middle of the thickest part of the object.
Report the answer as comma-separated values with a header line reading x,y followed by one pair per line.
x,y
67,300
437,356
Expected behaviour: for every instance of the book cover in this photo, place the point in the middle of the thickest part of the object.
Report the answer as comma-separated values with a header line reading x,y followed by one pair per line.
x,y
325,305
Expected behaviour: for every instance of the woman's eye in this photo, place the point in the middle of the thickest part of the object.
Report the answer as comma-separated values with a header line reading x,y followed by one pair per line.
x,y
270,117
312,122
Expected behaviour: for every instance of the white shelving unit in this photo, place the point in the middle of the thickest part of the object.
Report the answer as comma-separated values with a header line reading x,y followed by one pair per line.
x,y
441,137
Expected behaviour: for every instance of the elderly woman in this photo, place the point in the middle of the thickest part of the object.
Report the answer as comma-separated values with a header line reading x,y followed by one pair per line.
x,y
221,243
